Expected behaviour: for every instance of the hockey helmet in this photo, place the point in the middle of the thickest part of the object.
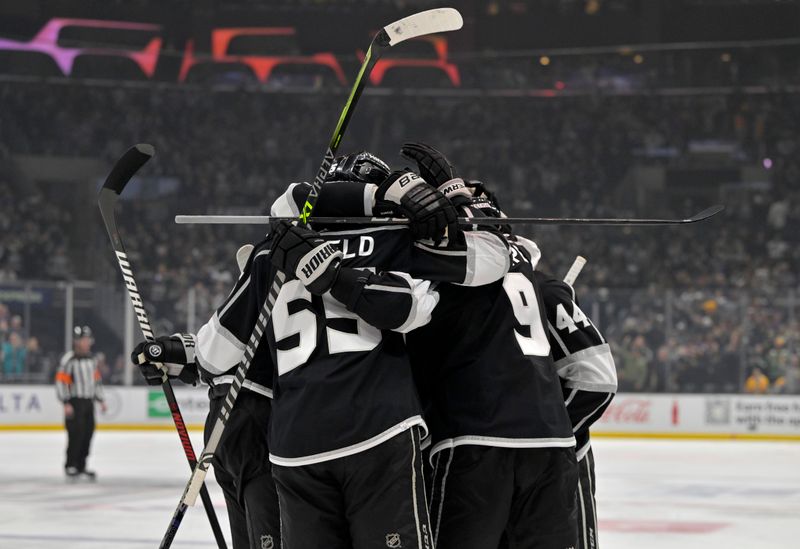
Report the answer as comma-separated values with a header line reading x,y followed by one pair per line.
x,y
79,332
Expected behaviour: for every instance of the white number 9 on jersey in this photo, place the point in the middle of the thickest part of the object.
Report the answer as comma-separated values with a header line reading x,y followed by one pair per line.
x,y
522,296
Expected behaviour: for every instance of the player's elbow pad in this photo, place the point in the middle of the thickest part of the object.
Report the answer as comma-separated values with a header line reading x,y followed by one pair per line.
x,y
217,350
591,369
487,258
423,302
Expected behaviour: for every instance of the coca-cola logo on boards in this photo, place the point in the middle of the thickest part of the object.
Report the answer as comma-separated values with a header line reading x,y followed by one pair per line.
x,y
628,410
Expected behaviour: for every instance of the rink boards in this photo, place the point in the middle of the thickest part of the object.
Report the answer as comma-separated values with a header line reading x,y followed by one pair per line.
x,y
644,415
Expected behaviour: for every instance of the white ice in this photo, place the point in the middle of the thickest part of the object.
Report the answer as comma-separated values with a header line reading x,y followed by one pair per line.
x,y
654,494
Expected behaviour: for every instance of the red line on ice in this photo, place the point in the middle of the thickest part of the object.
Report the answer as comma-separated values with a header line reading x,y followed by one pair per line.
x,y
665,527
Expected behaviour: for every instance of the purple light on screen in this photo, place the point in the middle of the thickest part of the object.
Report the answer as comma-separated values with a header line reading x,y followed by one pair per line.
x,y
46,42
767,163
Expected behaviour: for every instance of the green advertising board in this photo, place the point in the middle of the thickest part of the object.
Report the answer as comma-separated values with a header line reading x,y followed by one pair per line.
x,y
157,404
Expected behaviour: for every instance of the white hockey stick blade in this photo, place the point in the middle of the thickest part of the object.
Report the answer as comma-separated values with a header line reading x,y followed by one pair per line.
x,y
422,23
242,255
575,270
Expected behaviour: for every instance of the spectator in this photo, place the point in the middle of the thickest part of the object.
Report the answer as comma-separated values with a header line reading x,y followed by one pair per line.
x,y
34,362
757,382
13,357
672,301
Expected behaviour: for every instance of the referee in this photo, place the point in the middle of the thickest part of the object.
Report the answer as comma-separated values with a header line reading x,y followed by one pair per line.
x,y
78,385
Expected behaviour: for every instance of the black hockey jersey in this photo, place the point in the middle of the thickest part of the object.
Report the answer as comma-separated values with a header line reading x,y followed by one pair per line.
x,y
582,357
483,365
343,382
222,340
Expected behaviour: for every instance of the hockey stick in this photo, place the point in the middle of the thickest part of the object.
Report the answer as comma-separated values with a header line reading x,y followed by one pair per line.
x,y
263,219
419,24
575,270
121,173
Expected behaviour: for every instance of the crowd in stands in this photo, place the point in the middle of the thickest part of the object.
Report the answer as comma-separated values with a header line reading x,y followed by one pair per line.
x,y
20,355
692,308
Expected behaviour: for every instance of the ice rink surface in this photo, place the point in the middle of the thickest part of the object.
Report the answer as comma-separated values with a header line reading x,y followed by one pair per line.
x,y
652,493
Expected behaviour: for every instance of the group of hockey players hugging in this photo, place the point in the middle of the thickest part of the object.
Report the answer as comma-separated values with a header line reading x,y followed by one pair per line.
x,y
417,386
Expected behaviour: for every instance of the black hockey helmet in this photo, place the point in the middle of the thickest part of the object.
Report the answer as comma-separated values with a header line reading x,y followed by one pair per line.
x,y
479,190
486,202
361,166
81,331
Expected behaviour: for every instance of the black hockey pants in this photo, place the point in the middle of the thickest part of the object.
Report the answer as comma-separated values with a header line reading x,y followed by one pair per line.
x,y
516,498
242,469
370,500
587,515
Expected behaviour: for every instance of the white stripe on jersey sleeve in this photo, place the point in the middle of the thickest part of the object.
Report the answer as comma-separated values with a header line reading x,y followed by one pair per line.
x,y
423,302
591,369
234,297
558,339
487,258
217,350
588,416
437,249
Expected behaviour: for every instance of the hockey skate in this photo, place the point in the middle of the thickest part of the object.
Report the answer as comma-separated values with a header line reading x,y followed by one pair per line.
x,y
86,475
72,474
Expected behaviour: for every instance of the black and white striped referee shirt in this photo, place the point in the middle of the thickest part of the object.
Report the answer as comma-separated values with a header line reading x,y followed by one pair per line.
x,y
78,377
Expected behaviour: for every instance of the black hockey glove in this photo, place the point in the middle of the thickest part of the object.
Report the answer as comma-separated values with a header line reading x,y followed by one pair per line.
x,y
433,166
303,253
175,352
361,166
428,210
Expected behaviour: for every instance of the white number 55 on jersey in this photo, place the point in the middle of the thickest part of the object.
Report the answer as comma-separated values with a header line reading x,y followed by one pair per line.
x,y
303,324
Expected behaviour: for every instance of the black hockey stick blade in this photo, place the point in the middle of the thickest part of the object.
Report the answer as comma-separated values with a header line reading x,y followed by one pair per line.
x,y
117,179
130,162
119,176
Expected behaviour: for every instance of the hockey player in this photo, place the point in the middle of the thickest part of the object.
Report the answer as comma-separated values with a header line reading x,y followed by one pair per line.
x,y
503,448
589,382
587,374
241,463
346,427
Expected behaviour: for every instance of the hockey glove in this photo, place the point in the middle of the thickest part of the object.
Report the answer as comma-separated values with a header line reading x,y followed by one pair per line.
x,y
303,253
428,210
433,165
175,353
361,166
